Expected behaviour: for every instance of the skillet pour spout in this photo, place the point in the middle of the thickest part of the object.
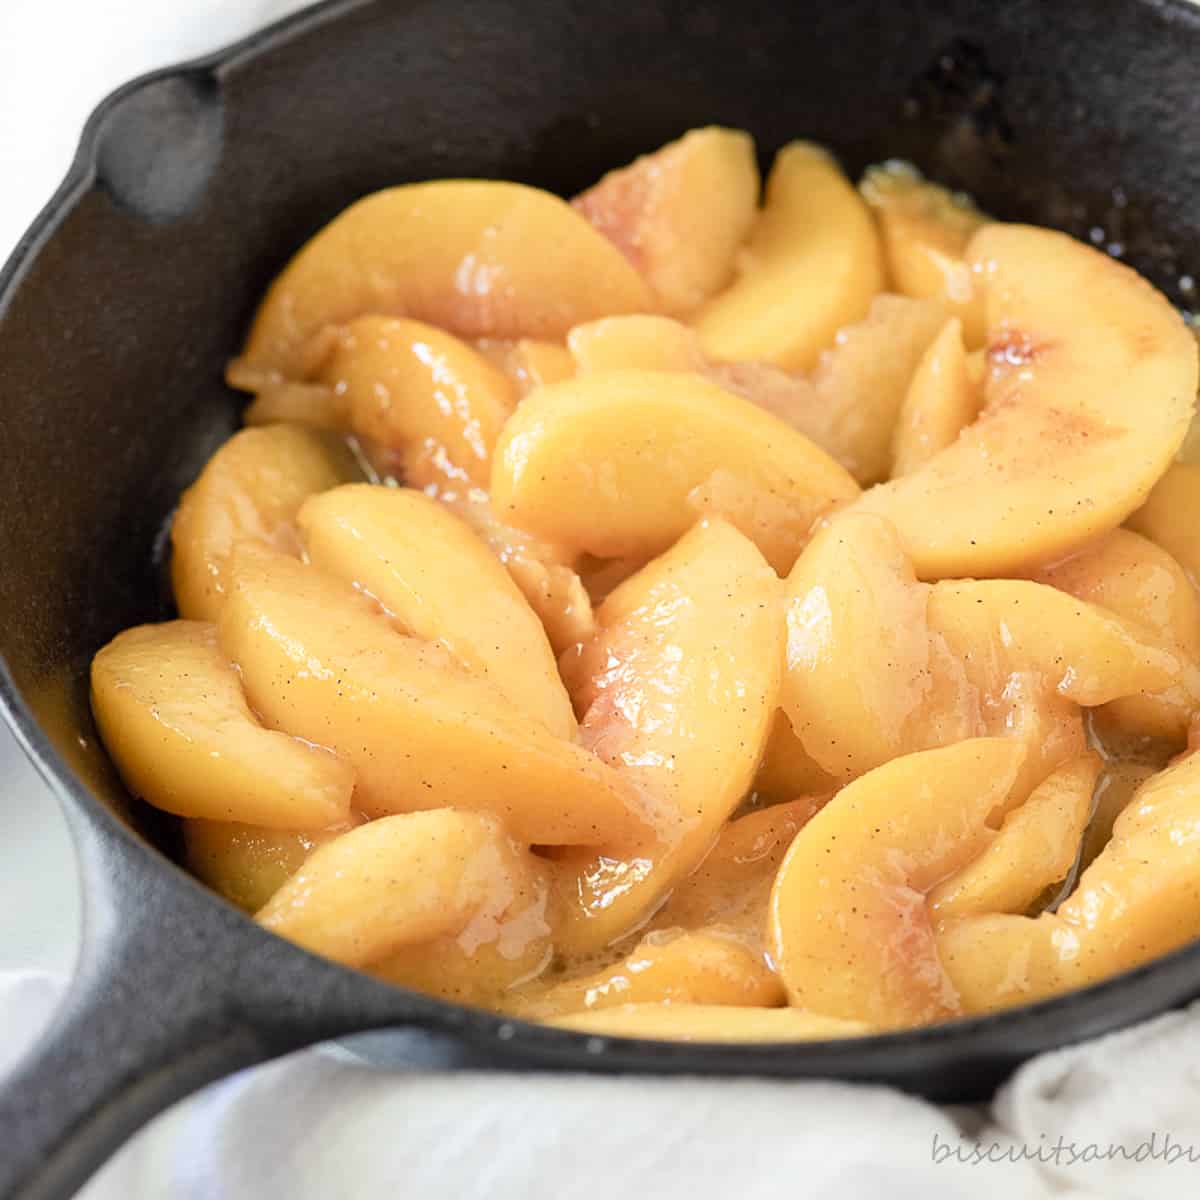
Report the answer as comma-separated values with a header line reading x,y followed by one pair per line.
x,y
191,189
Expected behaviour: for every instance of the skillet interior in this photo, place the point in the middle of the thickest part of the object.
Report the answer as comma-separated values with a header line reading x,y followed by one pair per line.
x,y
201,182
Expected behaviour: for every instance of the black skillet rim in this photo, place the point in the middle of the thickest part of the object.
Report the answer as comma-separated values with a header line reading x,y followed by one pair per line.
x,y
872,1055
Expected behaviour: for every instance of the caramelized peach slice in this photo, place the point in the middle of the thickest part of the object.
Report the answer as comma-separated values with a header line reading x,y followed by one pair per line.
x,y
1168,516
730,888
711,1023
248,864
1035,848
926,230
940,403
172,715
1130,576
319,660
399,881
466,255
668,967
1137,900
787,770
679,687
680,214
1091,388
529,363
644,342
250,489
867,679
622,463
811,265
849,927
441,583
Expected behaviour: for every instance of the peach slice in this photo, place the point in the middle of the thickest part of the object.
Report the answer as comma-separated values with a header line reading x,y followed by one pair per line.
x,y
940,403
172,715
248,864
925,231
623,462
1137,900
1168,516
849,928
679,687
1132,577
529,363
711,1023
250,489
668,967
1092,382
319,660
441,583
466,255
680,214
787,770
643,341
811,265
867,679
399,881
1035,848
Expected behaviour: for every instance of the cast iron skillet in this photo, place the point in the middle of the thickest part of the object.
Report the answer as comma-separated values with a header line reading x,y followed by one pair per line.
x,y
191,188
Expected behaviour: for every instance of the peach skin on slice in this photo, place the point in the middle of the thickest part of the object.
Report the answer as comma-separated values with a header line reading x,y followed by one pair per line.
x,y
623,462
399,881
172,715
848,925
678,688
251,488
680,214
320,660
466,255
811,265
441,583
1089,395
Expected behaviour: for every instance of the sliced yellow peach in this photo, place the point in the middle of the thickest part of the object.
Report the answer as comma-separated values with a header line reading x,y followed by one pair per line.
x,y
787,770
730,888
1091,388
543,570
667,967
622,463
1140,898
940,403
862,381
811,265
466,255
867,679
319,660
251,488
849,927
711,1023
172,715
644,342
1168,516
680,214
1132,577
1085,653
680,688
529,363
1035,848
1118,781
399,881
925,231
441,583
248,864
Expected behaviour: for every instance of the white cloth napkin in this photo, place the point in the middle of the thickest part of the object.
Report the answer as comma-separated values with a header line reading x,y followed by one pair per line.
x,y
1116,1118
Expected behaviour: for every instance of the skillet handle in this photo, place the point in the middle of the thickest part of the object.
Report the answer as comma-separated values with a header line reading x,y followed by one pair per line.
x,y
173,990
